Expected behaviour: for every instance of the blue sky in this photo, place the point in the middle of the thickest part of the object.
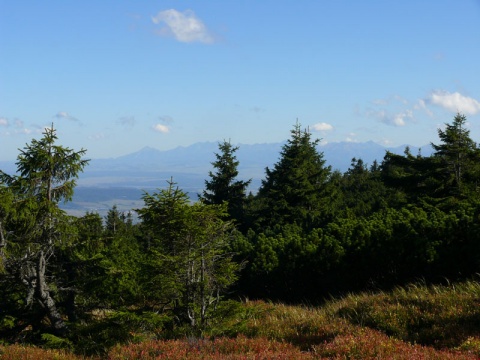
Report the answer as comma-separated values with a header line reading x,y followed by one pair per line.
x,y
115,76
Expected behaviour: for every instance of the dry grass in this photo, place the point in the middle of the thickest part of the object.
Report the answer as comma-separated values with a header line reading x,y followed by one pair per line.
x,y
415,322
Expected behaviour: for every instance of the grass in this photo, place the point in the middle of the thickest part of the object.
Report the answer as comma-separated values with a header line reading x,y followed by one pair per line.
x,y
414,322
439,316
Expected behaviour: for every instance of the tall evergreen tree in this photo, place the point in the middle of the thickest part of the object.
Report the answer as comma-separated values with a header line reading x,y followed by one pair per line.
x,y
295,190
459,156
46,175
223,185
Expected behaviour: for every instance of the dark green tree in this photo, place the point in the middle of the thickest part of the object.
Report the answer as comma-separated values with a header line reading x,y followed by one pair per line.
x,y
362,189
118,222
296,189
451,174
223,185
458,158
46,175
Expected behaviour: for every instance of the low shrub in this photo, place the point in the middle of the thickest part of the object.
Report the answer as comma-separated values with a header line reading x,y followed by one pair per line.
x,y
440,316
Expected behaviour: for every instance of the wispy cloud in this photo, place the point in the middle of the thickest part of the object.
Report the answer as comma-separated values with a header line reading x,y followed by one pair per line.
x,y
65,116
397,111
161,128
454,102
393,111
27,131
351,137
393,119
322,127
390,100
19,123
97,136
16,127
183,26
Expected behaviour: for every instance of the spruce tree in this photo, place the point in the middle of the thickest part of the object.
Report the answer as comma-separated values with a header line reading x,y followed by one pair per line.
x,y
295,190
47,174
458,157
223,185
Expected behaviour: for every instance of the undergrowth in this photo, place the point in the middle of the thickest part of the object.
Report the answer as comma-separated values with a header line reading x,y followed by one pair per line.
x,y
413,322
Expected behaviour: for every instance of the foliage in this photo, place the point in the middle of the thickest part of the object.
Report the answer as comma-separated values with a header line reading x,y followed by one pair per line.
x,y
458,157
440,316
190,265
362,190
110,328
351,327
222,348
15,352
295,190
46,176
223,185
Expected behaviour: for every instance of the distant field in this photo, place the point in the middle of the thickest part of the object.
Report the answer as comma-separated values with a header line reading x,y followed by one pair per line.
x,y
102,199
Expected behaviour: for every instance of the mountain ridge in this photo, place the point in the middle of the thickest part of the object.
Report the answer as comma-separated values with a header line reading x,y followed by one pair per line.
x,y
121,181
198,157
337,154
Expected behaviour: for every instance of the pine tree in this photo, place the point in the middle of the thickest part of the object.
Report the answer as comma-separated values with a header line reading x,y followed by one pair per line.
x,y
223,185
295,190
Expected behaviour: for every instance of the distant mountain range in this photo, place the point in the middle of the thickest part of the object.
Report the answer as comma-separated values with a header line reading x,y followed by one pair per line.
x,y
121,181
195,160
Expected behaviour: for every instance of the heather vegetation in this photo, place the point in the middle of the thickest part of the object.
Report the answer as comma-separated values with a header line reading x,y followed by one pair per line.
x,y
386,256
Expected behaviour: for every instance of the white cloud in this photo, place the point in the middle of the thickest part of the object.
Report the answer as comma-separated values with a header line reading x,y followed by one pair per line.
x,y
322,127
18,127
161,128
185,27
65,115
422,105
454,102
26,131
386,142
351,137
397,119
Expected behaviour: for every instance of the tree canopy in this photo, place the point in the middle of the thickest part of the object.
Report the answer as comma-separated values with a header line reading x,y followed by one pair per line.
x,y
295,190
223,185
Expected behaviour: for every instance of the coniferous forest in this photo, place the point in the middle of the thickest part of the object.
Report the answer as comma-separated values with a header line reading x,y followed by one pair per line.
x,y
316,264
